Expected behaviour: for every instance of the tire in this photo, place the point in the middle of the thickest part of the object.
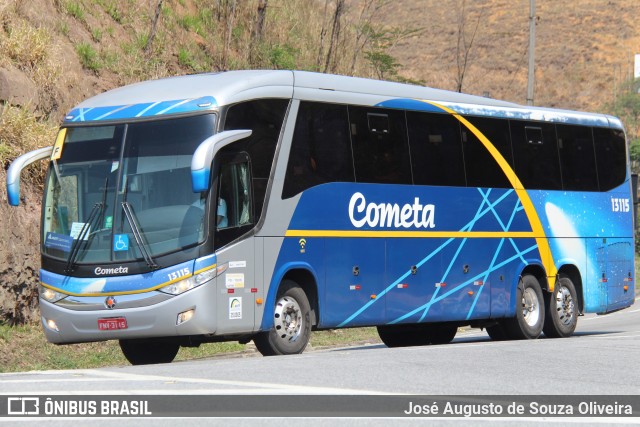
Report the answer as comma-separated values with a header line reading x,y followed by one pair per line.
x,y
149,351
403,335
529,319
291,323
497,332
561,308
442,333
416,335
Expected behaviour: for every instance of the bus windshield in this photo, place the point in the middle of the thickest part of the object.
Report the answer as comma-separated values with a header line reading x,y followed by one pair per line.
x,y
122,192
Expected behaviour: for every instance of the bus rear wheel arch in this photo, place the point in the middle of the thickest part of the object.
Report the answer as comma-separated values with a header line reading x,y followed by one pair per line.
x,y
291,328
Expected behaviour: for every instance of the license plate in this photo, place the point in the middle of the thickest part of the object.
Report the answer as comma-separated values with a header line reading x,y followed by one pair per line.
x,y
112,323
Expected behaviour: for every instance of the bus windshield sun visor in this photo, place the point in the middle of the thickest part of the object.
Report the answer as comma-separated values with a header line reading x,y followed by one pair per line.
x,y
206,151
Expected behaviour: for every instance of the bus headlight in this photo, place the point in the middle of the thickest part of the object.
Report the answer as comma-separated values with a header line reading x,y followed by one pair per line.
x,y
50,295
189,283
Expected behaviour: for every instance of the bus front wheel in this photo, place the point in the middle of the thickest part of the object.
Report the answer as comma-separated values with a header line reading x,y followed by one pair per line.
x,y
529,319
149,351
561,310
291,323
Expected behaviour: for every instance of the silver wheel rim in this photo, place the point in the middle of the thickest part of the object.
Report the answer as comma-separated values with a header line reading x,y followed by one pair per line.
x,y
530,307
288,319
564,306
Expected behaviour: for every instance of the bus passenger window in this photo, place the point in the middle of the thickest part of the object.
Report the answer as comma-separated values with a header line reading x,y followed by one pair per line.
x,y
436,150
535,152
577,158
482,169
320,149
380,146
611,157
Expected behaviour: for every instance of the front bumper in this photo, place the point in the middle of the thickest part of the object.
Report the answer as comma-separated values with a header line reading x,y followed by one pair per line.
x,y
157,319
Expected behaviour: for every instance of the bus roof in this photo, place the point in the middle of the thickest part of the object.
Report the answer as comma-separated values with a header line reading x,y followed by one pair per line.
x,y
210,91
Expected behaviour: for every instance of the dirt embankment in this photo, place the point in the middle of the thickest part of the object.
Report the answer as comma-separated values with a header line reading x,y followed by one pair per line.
x,y
19,256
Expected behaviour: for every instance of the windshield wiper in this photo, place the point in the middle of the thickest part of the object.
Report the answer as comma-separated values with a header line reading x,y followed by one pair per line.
x,y
135,229
96,213
75,247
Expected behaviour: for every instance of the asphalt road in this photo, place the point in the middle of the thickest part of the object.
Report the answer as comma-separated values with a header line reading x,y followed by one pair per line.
x,y
601,358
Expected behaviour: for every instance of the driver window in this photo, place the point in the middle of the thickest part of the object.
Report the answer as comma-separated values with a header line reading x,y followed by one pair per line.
x,y
234,197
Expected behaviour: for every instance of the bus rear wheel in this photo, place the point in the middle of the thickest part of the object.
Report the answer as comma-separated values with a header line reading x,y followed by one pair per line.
x,y
529,319
291,323
561,310
149,351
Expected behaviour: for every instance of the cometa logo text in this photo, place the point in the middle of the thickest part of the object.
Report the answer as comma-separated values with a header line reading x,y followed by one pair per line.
x,y
390,215
116,270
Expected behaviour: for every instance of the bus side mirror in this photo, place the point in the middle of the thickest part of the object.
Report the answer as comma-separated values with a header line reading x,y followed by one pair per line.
x,y
13,174
206,151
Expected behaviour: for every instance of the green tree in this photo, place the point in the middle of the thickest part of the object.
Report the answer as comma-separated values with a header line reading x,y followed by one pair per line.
x,y
380,41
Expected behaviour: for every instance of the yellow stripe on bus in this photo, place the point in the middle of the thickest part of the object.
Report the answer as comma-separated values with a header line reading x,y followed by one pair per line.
x,y
527,204
412,234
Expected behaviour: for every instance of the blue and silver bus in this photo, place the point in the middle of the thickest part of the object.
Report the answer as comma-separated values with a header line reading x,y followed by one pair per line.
x,y
262,205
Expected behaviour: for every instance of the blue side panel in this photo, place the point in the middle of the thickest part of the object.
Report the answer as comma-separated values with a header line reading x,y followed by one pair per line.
x,y
581,228
383,279
360,295
119,112
430,254
454,209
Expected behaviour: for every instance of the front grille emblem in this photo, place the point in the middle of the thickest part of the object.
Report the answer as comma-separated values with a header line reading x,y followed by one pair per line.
x,y
110,302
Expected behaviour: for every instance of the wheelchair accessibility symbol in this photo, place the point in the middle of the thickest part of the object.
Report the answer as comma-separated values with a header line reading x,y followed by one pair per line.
x,y
121,242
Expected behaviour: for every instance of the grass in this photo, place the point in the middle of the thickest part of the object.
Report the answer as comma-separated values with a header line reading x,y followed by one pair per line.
x,y
74,9
88,56
26,46
22,131
24,348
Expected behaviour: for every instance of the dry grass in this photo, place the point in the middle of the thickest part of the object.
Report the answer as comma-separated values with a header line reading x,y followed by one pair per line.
x,y
584,49
26,46
21,132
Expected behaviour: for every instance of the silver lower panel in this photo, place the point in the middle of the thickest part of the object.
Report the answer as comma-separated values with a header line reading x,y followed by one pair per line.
x,y
157,320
